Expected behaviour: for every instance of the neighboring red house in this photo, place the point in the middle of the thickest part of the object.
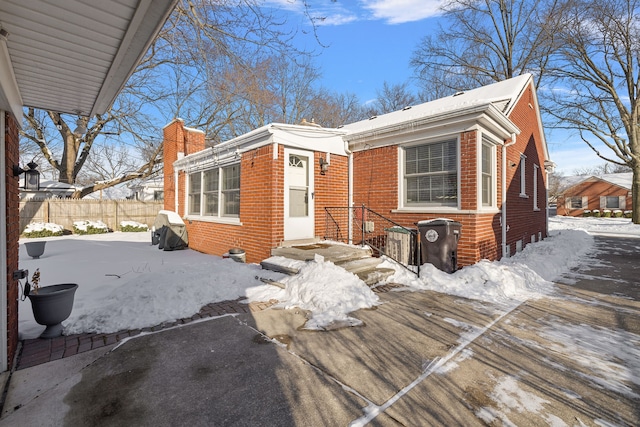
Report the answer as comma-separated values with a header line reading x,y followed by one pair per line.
x,y
478,157
610,192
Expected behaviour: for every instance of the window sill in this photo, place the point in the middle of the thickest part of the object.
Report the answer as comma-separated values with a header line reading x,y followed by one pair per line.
x,y
523,196
536,209
217,220
445,210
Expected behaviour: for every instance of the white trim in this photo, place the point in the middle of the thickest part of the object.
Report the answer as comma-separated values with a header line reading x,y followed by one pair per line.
x,y
401,182
3,249
535,187
449,210
295,223
8,85
480,182
229,220
523,176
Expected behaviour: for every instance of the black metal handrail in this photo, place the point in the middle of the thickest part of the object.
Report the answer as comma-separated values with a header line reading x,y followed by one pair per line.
x,y
362,226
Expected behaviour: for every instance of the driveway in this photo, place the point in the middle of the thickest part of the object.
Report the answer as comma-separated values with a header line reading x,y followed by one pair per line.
x,y
421,358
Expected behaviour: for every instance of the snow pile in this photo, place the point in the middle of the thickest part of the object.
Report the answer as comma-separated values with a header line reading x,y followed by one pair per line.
x,y
87,226
133,226
327,291
525,275
36,227
594,225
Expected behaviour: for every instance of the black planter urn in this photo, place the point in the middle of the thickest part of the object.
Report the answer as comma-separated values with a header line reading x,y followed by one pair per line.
x,y
51,306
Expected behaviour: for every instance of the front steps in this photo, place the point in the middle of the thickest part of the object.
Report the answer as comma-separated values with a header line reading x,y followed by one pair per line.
x,y
356,260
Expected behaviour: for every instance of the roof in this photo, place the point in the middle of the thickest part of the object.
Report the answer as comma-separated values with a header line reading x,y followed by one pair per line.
x,y
502,96
624,180
70,56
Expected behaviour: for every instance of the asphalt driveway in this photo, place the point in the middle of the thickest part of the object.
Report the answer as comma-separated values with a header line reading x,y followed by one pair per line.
x,y
421,358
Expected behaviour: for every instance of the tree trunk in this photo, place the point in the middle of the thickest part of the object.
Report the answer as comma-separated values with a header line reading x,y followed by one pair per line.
x,y
635,194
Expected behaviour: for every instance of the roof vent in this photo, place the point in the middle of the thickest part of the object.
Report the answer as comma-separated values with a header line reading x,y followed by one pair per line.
x,y
372,117
458,93
312,123
408,107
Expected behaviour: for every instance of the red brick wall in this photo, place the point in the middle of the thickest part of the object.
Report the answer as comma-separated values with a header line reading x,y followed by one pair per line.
x,y
468,171
522,220
593,189
331,189
375,179
261,201
177,139
11,155
375,184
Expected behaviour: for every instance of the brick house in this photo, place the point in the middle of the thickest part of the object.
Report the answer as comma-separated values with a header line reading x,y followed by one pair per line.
x,y
603,192
255,191
33,36
478,157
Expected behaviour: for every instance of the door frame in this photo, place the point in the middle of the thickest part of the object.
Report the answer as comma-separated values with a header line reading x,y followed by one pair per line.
x,y
298,228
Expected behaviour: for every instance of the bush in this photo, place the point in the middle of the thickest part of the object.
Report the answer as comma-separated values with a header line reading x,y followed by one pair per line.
x,y
627,214
586,212
607,213
595,213
133,227
617,213
89,227
42,229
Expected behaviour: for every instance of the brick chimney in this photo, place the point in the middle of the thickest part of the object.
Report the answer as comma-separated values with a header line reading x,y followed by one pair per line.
x,y
178,141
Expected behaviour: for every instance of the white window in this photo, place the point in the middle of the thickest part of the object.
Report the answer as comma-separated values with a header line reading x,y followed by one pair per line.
x,y
215,192
613,202
535,187
231,190
431,174
575,202
523,175
195,186
210,192
487,174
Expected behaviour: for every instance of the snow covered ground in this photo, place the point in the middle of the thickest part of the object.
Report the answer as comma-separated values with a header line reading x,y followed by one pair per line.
x,y
125,283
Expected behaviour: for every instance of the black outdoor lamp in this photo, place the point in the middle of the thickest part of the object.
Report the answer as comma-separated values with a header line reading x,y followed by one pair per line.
x,y
31,176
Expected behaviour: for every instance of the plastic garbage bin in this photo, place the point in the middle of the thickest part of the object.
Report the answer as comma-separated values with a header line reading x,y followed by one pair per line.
x,y
439,243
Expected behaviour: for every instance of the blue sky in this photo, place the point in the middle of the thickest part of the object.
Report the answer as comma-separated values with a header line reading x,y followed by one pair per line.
x,y
372,41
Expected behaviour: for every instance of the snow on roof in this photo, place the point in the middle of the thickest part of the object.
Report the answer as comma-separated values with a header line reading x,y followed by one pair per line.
x,y
501,94
623,179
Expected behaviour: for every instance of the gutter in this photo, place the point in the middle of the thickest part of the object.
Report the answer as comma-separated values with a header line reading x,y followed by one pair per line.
x,y
503,209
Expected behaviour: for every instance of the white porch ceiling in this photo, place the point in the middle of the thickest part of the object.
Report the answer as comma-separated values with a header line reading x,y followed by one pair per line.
x,y
73,56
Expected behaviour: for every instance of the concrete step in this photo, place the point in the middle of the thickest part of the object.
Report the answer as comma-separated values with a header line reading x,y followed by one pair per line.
x,y
375,276
359,265
330,252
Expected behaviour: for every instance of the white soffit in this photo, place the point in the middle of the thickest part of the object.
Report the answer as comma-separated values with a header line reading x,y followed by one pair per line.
x,y
72,56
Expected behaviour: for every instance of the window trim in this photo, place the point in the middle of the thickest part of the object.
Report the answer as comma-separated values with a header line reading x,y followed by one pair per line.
x,y
536,168
403,205
486,142
219,216
523,176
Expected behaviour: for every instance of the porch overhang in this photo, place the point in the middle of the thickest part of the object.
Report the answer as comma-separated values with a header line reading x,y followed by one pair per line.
x,y
73,57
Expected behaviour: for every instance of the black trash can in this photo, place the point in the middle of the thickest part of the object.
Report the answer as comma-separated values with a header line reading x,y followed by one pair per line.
x,y
439,243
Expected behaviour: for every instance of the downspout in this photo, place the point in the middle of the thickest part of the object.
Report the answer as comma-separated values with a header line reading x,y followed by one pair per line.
x,y
175,192
503,219
349,187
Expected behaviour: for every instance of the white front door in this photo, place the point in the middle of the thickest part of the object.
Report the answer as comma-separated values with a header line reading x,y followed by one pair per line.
x,y
298,195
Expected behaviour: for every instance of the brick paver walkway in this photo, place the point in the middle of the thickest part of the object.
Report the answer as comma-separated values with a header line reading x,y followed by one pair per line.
x,y
41,350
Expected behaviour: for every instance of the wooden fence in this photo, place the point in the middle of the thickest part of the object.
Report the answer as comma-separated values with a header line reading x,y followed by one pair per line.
x,y
65,211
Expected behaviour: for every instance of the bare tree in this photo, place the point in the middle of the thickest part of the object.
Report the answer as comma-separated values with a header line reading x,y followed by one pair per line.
x,y
597,67
484,41
392,97
200,40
